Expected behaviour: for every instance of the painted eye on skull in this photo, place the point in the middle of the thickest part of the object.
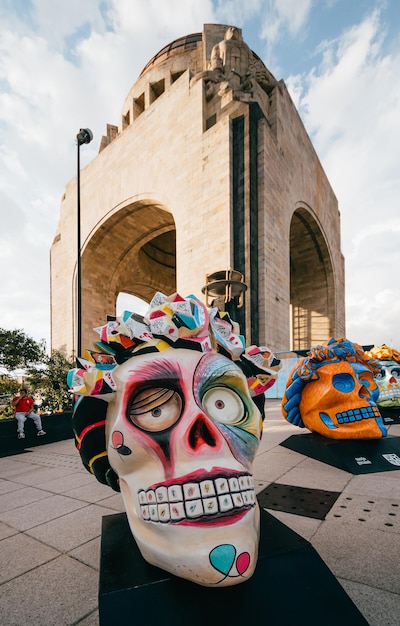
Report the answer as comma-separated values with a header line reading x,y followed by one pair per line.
x,y
343,382
223,405
155,409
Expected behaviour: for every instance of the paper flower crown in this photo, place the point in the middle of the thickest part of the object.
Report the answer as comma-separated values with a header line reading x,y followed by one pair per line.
x,y
384,353
171,321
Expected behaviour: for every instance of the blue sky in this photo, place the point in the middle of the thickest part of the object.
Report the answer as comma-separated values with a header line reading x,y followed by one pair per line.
x,y
68,65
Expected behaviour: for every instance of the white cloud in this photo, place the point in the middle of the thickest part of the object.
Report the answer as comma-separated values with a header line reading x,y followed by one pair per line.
x,y
11,164
55,21
237,12
383,309
284,15
126,302
281,18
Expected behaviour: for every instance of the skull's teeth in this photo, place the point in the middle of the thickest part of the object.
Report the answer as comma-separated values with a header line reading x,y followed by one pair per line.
x,y
355,415
388,393
197,499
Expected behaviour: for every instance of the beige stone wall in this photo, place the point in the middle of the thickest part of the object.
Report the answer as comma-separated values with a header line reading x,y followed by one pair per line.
x,y
169,169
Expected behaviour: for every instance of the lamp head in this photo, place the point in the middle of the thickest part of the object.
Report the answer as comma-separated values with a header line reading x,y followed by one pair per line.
x,y
85,135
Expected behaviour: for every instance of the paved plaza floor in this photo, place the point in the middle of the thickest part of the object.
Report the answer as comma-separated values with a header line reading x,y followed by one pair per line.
x,y
51,513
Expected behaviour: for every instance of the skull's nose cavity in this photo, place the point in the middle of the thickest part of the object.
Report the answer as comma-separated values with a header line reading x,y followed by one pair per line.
x,y
364,393
200,434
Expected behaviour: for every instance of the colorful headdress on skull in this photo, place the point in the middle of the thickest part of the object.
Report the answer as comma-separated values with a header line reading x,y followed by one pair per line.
x,y
171,321
383,353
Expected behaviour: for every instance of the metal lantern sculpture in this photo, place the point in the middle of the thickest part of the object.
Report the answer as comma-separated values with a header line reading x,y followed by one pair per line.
x,y
223,286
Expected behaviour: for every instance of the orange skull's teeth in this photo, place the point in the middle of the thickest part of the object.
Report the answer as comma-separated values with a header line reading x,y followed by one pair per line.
x,y
355,415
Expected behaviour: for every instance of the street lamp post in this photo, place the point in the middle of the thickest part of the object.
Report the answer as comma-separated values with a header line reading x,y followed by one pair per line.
x,y
85,135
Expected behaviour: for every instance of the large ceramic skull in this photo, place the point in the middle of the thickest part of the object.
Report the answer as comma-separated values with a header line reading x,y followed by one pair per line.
x,y
181,429
182,432
333,392
388,380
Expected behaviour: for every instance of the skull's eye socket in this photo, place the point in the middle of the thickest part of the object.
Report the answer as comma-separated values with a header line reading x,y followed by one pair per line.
x,y
395,372
223,405
343,382
155,409
380,375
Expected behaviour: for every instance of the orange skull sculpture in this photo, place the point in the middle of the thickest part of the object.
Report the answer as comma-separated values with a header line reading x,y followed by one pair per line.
x,y
333,392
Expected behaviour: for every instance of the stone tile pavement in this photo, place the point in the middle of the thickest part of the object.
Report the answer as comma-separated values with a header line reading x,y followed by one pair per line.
x,y
50,525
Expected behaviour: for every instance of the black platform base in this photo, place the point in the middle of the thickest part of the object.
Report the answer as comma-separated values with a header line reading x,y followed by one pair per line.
x,y
58,426
390,415
357,456
291,585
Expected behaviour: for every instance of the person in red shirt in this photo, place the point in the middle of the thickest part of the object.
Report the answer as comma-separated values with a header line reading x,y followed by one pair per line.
x,y
23,407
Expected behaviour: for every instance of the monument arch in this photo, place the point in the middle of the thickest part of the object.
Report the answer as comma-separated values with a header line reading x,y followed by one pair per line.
x,y
312,285
132,250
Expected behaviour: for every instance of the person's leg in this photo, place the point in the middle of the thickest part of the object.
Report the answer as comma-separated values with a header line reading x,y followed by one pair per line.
x,y
38,422
21,419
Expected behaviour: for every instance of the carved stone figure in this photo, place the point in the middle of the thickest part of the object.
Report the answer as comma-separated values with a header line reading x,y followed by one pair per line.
x,y
233,66
332,391
234,53
172,421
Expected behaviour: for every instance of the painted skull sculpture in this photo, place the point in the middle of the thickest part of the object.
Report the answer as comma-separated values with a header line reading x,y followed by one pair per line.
x,y
332,391
388,379
180,424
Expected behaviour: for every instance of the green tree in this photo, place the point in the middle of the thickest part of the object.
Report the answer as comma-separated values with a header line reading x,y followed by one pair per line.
x,y
46,375
18,351
50,382
8,389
